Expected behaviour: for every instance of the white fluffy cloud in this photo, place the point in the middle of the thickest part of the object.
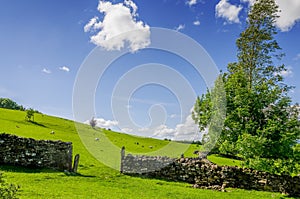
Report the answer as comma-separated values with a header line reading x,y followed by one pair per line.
x,y
45,70
180,27
289,13
196,23
163,131
191,2
127,130
102,123
228,11
64,68
184,131
119,26
92,25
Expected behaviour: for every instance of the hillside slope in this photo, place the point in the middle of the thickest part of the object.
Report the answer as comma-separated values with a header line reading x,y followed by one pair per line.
x,y
95,179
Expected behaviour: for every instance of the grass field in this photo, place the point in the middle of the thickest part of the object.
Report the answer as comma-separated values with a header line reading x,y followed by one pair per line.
x,y
96,180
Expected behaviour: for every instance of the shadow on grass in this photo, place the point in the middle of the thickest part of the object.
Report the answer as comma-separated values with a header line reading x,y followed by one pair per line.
x,y
78,175
35,123
20,169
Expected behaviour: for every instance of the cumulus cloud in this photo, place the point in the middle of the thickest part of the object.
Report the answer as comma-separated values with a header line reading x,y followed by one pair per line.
x,y
180,27
144,129
289,13
163,131
102,123
64,68
127,130
191,2
228,11
184,131
196,23
118,27
47,71
92,25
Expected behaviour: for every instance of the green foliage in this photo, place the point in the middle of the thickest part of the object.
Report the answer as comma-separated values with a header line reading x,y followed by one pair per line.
x,y
209,113
7,191
261,124
10,104
29,114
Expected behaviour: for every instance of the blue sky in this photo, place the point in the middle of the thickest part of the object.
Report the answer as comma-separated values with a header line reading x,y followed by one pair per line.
x,y
44,44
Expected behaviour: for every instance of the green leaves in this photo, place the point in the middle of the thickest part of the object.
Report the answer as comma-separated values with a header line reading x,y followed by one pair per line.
x,y
210,112
261,124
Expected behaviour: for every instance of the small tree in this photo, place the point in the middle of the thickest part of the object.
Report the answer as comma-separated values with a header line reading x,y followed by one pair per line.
x,y
29,114
8,191
93,122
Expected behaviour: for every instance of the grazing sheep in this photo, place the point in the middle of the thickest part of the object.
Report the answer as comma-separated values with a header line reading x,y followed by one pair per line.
x,y
52,132
96,139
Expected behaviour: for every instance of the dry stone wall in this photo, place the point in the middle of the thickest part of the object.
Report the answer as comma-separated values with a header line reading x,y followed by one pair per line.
x,y
204,174
28,152
144,164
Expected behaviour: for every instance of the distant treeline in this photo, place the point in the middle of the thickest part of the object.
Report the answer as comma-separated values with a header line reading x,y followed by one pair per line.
x,y
186,141
10,104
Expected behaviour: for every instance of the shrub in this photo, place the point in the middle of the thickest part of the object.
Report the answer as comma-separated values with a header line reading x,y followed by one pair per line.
x,y
7,190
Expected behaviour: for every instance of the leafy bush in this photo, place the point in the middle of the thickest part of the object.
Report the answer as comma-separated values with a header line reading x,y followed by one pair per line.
x,y
7,190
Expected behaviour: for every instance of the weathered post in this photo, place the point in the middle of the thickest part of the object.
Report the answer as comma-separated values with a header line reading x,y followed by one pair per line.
x,y
76,163
70,156
122,158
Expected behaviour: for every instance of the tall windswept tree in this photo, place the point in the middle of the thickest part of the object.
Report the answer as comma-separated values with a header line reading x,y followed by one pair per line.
x,y
261,124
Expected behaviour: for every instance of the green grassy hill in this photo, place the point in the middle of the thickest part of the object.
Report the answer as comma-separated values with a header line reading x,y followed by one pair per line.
x,y
95,179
